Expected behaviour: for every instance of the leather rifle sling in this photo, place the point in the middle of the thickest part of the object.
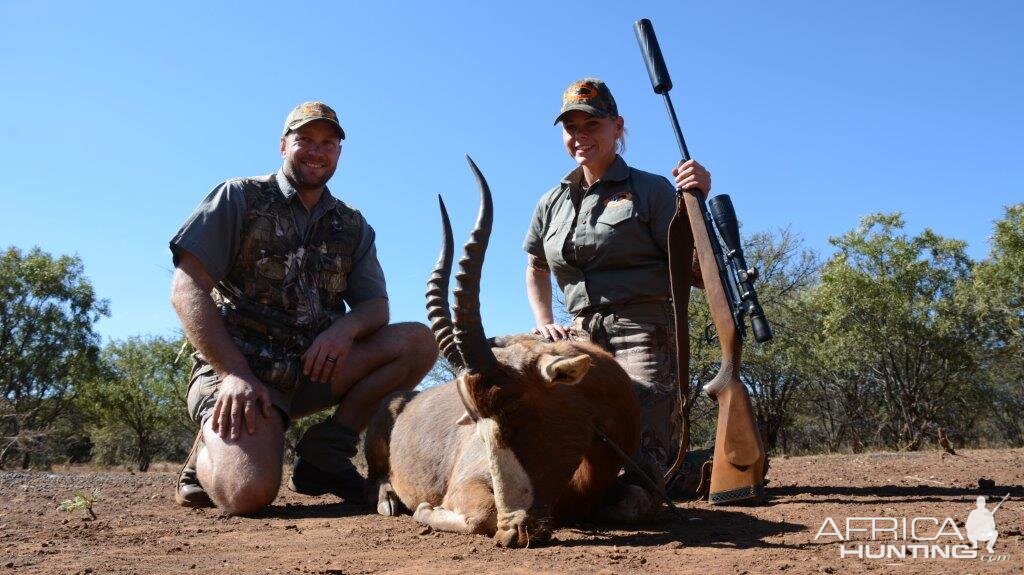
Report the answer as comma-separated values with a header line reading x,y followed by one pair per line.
x,y
680,272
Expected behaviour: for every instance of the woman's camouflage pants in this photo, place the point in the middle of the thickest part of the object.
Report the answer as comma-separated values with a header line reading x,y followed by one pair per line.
x,y
641,336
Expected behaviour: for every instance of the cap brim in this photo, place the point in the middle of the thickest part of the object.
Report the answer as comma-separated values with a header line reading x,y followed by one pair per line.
x,y
582,108
297,125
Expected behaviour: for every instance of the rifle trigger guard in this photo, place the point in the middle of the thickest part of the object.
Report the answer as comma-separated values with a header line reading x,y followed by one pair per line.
x,y
710,336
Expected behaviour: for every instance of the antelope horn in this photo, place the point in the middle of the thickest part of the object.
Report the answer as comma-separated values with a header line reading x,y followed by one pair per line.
x,y
469,330
437,294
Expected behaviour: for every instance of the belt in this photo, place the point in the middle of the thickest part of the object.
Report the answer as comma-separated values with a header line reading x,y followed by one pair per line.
x,y
612,307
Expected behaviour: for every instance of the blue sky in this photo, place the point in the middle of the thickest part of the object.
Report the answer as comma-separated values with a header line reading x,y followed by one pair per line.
x,y
117,118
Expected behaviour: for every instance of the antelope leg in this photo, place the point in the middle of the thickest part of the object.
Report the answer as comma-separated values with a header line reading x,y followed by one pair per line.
x,y
388,503
468,508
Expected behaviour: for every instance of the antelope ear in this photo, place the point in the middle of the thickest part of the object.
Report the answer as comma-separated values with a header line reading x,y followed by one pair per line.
x,y
557,369
465,419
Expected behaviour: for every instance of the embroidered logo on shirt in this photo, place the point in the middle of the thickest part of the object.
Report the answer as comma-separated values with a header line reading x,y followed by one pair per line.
x,y
625,196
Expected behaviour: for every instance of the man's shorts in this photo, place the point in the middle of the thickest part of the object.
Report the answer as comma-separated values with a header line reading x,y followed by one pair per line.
x,y
204,384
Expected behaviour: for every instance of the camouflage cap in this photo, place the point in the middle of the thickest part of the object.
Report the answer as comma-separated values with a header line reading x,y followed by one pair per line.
x,y
307,112
589,95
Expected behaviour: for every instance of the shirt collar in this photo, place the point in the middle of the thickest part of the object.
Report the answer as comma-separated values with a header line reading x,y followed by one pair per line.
x,y
286,187
617,172
327,201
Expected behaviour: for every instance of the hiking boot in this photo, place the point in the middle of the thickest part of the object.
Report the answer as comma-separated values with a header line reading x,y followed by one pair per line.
x,y
693,478
345,483
323,463
189,492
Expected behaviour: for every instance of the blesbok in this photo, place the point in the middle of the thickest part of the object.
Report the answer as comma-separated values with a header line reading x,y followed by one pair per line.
x,y
509,448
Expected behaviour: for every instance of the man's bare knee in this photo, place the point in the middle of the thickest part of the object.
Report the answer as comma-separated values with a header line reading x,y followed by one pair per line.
x,y
240,487
250,497
243,476
419,346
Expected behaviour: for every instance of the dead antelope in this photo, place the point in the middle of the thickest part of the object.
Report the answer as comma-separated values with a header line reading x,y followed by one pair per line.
x,y
508,448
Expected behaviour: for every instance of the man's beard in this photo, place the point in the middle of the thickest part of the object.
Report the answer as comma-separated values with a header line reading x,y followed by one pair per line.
x,y
303,182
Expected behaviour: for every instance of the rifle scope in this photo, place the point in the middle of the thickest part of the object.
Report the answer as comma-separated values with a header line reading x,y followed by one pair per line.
x,y
724,216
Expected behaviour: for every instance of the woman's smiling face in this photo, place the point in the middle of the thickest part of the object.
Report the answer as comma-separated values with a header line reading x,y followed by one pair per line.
x,y
591,140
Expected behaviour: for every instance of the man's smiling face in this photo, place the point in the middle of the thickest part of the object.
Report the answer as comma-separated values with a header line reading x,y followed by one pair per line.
x,y
311,155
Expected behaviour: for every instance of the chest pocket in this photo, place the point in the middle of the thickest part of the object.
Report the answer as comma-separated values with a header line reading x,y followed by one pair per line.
x,y
554,229
617,212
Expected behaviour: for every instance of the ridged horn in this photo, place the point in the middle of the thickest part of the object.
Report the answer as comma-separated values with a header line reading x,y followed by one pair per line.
x,y
469,330
438,314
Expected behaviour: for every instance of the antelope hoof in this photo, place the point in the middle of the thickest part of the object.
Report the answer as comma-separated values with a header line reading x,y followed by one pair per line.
x,y
422,513
514,532
386,508
513,537
387,501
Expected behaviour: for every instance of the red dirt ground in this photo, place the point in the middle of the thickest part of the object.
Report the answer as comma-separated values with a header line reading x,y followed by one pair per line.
x,y
139,529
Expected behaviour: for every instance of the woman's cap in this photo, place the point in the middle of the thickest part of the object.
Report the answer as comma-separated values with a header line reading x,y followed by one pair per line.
x,y
589,95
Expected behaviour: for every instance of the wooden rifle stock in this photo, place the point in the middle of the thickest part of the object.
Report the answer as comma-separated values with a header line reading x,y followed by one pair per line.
x,y
738,468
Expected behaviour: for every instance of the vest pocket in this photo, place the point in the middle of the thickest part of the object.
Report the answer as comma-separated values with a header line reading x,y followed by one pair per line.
x,y
271,363
265,285
334,275
272,268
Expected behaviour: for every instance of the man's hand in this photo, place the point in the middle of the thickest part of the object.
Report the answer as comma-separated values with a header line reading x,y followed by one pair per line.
x,y
552,331
236,399
328,351
691,175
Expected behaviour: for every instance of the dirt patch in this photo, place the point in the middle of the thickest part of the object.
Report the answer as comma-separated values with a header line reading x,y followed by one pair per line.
x,y
139,529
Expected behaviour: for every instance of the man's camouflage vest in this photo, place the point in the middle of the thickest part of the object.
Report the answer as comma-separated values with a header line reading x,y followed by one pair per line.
x,y
283,289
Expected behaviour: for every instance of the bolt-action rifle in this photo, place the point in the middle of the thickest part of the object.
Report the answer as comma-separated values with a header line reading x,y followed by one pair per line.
x,y
739,461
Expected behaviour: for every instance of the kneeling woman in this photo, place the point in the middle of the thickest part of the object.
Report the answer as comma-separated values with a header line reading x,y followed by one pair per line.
x,y
602,231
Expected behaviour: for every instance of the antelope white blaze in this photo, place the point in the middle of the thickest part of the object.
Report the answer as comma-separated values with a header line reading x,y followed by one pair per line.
x,y
512,489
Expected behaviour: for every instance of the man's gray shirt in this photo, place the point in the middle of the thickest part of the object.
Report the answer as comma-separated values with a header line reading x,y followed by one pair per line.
x,y
213,234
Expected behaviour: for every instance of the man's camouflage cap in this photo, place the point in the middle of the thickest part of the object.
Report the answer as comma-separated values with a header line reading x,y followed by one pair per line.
x,y
589,95
307,112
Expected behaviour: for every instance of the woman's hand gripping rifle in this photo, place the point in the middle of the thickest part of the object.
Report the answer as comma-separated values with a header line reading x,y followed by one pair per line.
x,y
739,462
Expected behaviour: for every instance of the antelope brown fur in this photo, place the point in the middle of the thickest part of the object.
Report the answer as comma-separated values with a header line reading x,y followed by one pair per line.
x,y
508,448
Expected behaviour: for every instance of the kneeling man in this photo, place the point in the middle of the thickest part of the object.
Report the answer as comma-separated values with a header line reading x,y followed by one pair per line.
x,y
278,287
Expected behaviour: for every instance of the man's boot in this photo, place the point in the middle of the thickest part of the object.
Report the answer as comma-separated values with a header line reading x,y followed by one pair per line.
x,y
188,492
323,463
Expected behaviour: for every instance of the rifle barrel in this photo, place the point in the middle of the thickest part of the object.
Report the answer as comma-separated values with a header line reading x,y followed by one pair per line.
x,y
660,80
998,505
